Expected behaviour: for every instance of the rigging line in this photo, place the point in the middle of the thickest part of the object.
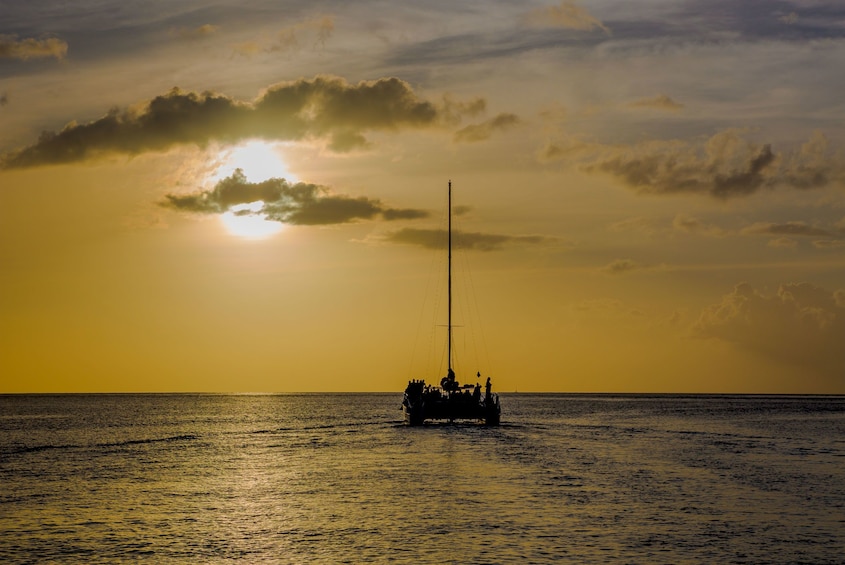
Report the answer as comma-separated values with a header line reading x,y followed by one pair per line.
x,y
469,306
431,302
478,323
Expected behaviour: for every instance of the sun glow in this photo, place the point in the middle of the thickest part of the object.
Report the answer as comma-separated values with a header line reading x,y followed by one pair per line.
x,y
247,221
259,161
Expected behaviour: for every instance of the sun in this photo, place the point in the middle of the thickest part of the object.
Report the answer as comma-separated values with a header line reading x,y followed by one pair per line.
x,y
259,161
248,221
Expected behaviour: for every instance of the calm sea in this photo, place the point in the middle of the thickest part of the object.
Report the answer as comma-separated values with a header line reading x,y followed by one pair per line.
x,y
337,479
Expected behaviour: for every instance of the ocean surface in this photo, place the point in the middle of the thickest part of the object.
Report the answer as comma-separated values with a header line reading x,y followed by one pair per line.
x,y
323,478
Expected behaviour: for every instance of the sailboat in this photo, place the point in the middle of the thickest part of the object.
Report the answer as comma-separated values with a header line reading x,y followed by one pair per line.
x,y
450,400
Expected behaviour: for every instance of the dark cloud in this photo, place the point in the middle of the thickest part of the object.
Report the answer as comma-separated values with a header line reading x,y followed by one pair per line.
x,y
438,239
480,132
31,48
322,108
726,165
802,324
674,172
286,202
404,214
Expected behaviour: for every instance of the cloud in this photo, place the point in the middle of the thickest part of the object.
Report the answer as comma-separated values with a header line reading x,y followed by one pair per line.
x,y
290,203
622,266
829,244
814,165
201,32
681,223
289,39
724,170
783,243
661,102
647,226
30,48
802,324
247,48
727,165
568,15
326,108
438,239
483,131
788,228
689,224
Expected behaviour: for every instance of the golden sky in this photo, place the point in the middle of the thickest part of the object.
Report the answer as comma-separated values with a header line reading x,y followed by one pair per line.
x,y
250,196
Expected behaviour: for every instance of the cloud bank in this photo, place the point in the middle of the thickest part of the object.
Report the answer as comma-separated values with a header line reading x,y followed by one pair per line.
x,y
326,108
802,324
290,203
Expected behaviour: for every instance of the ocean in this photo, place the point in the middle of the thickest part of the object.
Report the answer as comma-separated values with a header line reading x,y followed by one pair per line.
x,y
336,478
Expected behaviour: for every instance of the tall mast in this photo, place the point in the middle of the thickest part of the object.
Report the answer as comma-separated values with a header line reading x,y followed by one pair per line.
x,y
449,281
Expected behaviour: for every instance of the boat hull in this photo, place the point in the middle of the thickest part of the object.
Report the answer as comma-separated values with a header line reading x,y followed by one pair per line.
x,y
417,411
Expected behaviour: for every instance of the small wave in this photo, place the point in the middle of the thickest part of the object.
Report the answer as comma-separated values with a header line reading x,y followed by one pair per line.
x,y
348,425
37,448
183,437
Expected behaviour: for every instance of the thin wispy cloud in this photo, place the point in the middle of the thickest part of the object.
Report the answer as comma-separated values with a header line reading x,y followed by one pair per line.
x,y
690,224
193,33
477,241
11,47
567,15
485,130
660,102
310,33
624,266
785,229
